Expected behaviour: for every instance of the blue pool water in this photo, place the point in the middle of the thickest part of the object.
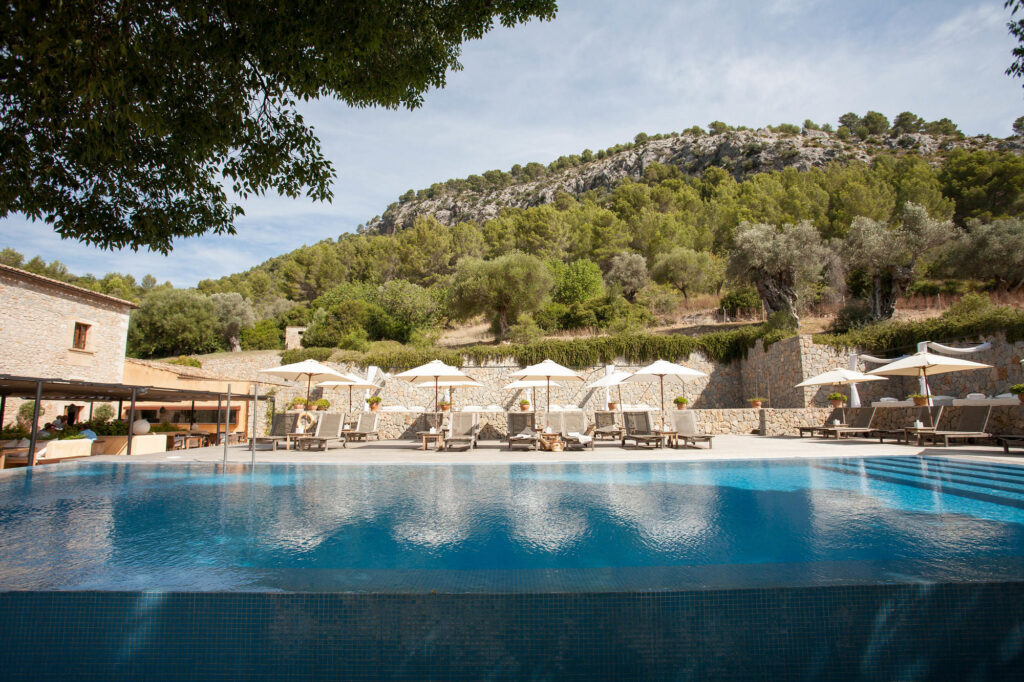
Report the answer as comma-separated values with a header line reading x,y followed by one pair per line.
x,y
488,528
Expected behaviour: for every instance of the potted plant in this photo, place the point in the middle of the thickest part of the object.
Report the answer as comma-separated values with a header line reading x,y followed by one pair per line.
x,y
681,402
524,405
756,403
298,402
445,405
1018,390
374,402
836,399
12,433
322,404
919,400
613,405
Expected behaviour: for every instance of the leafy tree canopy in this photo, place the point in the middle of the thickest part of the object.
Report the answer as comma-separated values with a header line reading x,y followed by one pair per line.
x,y
121,119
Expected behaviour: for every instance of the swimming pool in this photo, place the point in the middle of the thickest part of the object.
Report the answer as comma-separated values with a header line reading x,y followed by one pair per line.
x,y
495,559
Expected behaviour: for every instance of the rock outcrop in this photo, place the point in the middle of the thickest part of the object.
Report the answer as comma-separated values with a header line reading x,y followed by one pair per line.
x,y
741,152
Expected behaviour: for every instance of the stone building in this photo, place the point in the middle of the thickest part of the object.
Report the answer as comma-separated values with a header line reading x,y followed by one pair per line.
x,y
293,337
56,330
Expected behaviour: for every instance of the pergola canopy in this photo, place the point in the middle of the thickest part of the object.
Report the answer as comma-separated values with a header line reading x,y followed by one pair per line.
x,y
71,389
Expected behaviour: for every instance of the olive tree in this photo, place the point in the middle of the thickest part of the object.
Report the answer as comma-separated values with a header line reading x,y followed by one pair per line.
x,y
692,272
992,250
890,255
234,315
502,288
778,261
628,271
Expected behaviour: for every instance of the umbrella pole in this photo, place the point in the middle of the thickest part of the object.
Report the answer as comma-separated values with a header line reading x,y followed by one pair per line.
x,y
547,414
309,380
437,417
350,399
661,380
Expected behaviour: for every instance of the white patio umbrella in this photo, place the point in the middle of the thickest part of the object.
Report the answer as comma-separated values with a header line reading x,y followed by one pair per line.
x,y
546,371
530,384
839,377
434,371
352,381
450,384
662,369
924,364
311,370
616,378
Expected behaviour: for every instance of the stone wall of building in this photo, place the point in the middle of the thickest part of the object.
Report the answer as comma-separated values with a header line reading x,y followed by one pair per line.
x,y
37,330
293,337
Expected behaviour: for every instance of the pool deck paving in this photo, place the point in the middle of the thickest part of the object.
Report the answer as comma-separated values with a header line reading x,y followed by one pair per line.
x,y
726,447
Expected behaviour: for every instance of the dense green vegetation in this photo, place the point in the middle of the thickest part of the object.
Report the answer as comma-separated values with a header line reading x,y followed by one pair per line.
x,y
618,260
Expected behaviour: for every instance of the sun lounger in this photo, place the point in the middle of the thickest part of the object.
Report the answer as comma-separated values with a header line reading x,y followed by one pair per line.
x,y
860,424
972,423
1010,441
521,431
606,425
328,432
462,431
280,427
365,427
930,418
685,423
638,429
573,428
837,413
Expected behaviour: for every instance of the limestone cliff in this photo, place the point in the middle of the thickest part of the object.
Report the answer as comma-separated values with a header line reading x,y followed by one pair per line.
x,y
741,152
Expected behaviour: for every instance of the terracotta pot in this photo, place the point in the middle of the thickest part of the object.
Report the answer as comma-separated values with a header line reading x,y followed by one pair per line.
x,y
525,408
1020,397
920,402
756,404
374,407
680,406
835,403
613,406
445,408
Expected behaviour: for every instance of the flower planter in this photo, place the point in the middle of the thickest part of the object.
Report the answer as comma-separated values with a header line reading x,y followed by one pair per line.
x,y
141,445
525,408
613,406
374,407
445,408
756,404
920,402
836,403
680,406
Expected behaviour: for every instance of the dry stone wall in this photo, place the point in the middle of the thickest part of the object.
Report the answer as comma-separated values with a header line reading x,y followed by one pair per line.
x,y
719,400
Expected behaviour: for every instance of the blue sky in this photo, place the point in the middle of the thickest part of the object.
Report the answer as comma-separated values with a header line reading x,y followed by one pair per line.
x,y
601,72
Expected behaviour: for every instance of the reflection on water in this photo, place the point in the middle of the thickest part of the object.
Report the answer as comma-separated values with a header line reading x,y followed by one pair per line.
x,y
155,525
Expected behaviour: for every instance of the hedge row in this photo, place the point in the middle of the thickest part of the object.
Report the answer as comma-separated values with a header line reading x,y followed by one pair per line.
x,y
724,346
904,336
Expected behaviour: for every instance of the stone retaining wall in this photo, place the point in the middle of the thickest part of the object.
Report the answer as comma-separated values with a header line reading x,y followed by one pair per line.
x,y
719,399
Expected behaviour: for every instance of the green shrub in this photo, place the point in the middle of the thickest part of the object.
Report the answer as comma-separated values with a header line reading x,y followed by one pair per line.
x,y
297,401
851,316
105,427
14,432
184,361
104,412
837,396
164,428
525,331
743,301
952,325
300,354
1017,389
25,411
549,318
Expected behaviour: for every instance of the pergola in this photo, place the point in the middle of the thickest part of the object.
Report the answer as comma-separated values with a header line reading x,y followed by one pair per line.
x,y
39,388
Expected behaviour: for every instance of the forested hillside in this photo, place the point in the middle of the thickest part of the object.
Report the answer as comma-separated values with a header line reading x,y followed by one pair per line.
x,y
783,218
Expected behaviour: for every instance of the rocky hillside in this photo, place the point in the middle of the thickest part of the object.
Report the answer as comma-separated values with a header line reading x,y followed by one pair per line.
x,y
741,152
